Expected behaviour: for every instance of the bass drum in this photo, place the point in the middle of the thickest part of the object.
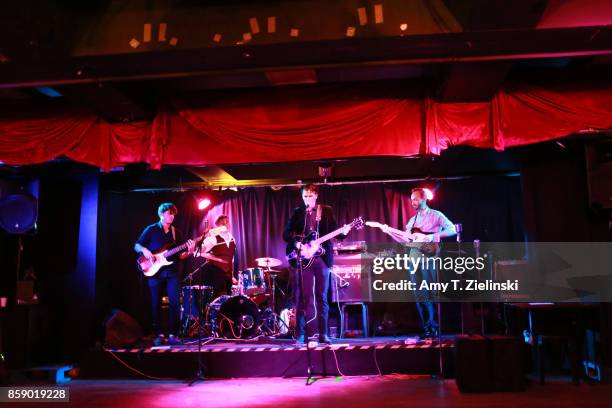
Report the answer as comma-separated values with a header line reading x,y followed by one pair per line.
x,y
233,317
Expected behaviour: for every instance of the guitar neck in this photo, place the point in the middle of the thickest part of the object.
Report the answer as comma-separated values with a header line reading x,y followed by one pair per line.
x,y
396,231
175,250
180,248
327,237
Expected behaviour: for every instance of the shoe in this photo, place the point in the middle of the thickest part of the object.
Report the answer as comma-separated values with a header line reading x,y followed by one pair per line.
x,y
174,341
434,332
426,334
158,341
324,339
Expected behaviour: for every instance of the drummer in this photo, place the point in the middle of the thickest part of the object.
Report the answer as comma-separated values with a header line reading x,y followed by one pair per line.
x,y
219,249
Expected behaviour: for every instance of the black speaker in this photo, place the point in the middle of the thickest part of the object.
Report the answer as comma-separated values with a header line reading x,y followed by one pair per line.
x,y
473,364
122,330
487,364
18,213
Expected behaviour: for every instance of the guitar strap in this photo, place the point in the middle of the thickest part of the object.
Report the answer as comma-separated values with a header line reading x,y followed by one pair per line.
x,y
416,216
173,233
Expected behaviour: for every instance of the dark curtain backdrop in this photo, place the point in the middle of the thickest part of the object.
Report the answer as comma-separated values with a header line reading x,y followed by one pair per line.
x,y
488,207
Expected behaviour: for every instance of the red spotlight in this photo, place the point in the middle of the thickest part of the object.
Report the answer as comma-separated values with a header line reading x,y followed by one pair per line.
x,y
203,203
428,194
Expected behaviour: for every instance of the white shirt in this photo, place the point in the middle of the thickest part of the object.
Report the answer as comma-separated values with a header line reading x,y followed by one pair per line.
x,y
211,241
430,221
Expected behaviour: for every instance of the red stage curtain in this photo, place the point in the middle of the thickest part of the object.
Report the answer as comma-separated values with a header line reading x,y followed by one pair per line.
x,y
307,123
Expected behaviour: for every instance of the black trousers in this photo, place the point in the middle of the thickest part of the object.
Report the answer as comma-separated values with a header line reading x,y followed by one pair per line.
x,y
315,305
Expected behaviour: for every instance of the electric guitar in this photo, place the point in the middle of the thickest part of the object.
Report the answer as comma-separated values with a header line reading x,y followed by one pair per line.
x,y
310,246
149,267
416,235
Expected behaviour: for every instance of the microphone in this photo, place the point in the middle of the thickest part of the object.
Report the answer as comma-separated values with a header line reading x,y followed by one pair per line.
x,y
458,229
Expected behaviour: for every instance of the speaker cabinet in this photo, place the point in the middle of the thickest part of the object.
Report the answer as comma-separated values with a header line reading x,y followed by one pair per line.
x,y
349,284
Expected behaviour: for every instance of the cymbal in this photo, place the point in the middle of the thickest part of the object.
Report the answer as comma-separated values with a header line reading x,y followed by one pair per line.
x,y
268,262
272,271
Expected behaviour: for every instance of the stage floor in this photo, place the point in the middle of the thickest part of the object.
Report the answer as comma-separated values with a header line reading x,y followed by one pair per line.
x,y
268,357
387,391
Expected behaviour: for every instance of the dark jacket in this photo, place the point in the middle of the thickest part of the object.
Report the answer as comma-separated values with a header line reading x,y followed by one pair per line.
x,y
295,227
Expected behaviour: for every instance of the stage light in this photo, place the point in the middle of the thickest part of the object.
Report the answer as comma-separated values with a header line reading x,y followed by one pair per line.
x,y
428,194
203,203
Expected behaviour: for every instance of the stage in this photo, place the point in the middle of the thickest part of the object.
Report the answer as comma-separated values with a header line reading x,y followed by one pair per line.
x,y
268,357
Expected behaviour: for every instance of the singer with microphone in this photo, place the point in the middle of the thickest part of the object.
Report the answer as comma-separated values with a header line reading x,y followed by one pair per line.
x,y
306,219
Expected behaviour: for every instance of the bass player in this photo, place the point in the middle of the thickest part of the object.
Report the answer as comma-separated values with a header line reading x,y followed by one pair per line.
x,y
155,238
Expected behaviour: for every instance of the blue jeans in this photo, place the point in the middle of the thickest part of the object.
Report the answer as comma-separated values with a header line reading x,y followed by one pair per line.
x,y
172,288
424,297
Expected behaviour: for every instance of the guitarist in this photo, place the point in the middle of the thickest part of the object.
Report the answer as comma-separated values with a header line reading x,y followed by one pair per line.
x,y
308,218
155,238
435,225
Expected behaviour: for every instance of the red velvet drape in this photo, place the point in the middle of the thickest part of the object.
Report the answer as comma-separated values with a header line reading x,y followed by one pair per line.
x,y
287,124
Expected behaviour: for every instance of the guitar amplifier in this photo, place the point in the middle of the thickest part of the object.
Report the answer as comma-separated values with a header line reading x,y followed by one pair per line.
x,y
349,247
348,283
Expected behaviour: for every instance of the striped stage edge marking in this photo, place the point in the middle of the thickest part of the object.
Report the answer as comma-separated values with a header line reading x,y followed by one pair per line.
x,y
253,349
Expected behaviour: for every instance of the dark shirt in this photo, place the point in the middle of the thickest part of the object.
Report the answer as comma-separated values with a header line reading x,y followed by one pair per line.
x,y
155,240
298,226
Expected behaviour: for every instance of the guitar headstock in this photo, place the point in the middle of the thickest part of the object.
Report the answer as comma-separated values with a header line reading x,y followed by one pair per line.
x,y
357,223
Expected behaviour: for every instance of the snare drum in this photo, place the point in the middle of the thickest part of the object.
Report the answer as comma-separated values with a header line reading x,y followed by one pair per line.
x,y
253,281
233,317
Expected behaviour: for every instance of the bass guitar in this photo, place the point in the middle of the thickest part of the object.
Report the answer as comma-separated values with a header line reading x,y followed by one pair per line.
x,y
149,267
310,246
416,235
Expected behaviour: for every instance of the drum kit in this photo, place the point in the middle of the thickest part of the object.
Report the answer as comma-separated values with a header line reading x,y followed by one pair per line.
x,y
246,313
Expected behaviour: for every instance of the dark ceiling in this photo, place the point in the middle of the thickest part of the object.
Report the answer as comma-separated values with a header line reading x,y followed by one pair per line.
x,y
77,53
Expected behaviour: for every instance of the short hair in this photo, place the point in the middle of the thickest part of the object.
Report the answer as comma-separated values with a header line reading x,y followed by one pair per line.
x,y
220,219
420,191
167,207
310,187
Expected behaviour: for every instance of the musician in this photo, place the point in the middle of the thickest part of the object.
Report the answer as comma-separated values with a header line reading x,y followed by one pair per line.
x,y
219,269
436,225
155,238
308,218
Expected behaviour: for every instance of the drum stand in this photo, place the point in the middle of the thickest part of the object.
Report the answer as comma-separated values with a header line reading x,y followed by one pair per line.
x,y
272,306
192,322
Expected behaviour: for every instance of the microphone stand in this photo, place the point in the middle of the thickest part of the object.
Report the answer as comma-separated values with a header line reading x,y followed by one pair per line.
x,y
482,324
201,367
300,271
458,228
